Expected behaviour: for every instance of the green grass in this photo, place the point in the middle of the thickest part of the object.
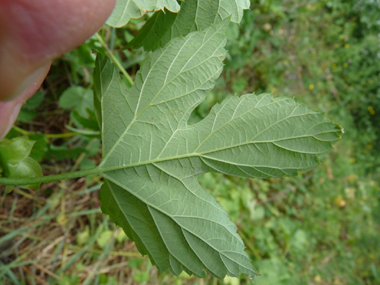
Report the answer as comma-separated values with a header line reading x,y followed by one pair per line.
x,y
321,227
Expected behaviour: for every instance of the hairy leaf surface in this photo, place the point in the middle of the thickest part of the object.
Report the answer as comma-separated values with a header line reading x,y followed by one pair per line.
x,y
151,156
195,15
127,9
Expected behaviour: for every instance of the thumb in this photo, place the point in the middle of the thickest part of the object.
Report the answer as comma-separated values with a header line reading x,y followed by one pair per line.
x,y
32,34
9,110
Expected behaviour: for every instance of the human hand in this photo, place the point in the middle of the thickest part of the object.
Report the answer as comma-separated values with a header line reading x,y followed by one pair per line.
x,y
32,34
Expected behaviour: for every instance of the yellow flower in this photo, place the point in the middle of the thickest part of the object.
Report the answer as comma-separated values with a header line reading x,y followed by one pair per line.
x,y
311,86
318,279
333,65
346,45
371,110
341,37
345,65
352,159
340,202
372,256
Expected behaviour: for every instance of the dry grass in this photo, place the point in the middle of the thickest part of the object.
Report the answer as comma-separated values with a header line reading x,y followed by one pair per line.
x,y
39,239
40,229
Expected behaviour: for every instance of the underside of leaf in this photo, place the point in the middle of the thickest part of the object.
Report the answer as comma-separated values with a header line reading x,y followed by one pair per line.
x,y
195,15
127,9
151,156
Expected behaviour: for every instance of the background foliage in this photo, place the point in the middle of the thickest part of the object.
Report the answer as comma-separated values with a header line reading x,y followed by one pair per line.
x,y
320,227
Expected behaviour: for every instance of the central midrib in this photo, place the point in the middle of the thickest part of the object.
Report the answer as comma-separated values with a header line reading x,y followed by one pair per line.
x,y
188,155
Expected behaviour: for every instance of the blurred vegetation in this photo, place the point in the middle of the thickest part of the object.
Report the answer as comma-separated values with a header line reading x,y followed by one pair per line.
x,y
321,227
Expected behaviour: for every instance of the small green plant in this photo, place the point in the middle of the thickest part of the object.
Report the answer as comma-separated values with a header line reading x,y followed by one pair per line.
x,y
152,155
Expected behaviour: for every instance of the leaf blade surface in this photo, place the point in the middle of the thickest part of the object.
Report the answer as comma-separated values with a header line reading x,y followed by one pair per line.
x,y
195,15
152,156
134,9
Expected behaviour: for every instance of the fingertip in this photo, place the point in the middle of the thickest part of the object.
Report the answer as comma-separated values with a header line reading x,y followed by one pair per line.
x,y
26,79
46,29
33,33
9,110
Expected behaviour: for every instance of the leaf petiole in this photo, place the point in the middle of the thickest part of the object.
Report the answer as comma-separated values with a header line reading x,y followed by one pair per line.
x,y
114,59
49,178
48,136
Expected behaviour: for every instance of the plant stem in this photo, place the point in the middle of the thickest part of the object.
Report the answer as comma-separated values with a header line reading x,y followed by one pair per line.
x,y
21,131
49,178
48,136
114,59
59,136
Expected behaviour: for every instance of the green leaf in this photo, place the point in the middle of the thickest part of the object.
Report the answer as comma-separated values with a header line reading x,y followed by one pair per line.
x,y
121,237
78,98
40,147
151,156
26,116
15,161
195,15
127,9
141,277
83,122
34,101
104,238
84,236
135,262
26,113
